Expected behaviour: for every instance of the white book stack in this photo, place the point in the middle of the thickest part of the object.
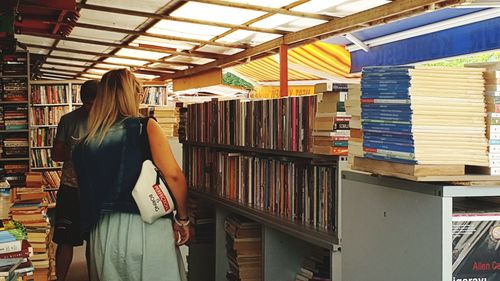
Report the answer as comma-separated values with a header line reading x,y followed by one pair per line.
x,y
353,108
492,97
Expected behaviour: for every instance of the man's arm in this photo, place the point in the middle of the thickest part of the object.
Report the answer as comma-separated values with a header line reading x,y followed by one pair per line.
x,y
61,151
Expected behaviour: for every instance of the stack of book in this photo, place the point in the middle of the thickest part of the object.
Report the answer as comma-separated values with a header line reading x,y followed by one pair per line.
x,y
168,118
15,64
424,115
353,108
15,252
316,267
244,249
15,174
15,117
4,187
331,122
15,146
14,89
492,97
47,115
29,209
202,217
49,94
155,95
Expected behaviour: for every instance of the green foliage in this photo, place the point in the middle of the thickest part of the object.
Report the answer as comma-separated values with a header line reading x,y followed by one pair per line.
x,y
233,80
459,62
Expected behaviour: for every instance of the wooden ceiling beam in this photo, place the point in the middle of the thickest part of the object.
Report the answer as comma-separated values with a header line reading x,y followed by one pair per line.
x,y
108,63
180,19
265,9
133,68
158,49
97,54
390,11
55,75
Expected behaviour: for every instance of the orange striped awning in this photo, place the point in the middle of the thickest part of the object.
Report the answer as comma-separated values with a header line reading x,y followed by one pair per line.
x,y
315,61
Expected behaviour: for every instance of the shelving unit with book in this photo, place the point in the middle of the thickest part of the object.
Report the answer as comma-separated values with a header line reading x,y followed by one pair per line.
x,y
237,157
14,119
49,101
155,94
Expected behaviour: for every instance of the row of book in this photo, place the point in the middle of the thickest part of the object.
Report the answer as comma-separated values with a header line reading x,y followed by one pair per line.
x,y
316,267
331,122
14,64
14,173
47,115
297,191
49,94
281,124
13,146
13,117
155,95
52,179
41,158
42,136
14,89
244,249
424,115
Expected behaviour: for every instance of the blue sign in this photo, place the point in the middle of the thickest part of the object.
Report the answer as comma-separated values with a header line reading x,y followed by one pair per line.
x,y
472,38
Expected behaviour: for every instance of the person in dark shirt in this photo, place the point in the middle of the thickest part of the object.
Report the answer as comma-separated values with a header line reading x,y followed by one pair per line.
x,y
71,128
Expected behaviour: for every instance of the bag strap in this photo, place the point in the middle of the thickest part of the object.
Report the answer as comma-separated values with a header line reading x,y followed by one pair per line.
x,y
146,150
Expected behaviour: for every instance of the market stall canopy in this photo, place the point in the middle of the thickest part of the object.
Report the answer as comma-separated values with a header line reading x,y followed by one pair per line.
x,y
315,61
170,39
430,36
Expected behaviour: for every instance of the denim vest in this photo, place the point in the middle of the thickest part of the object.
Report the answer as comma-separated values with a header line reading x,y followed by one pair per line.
x,y
107,172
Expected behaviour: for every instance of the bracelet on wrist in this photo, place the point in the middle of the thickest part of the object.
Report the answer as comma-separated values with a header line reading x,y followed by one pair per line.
x,y
179,223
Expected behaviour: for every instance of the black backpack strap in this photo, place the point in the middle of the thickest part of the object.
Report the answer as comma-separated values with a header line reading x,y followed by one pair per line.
x,y
146,151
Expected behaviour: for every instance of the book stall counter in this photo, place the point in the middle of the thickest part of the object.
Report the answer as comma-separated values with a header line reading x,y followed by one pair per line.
x,y
407,230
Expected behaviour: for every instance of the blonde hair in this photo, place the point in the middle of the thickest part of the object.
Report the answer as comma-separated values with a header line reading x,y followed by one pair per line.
x,y
118,96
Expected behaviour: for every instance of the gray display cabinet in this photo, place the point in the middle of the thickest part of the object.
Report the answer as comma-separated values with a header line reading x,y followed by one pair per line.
x,y
395,230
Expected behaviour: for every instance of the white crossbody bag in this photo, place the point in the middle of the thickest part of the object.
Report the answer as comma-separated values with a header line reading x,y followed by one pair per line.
x,y
151,193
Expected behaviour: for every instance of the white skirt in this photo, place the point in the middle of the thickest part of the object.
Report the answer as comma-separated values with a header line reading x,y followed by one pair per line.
x,y
124,248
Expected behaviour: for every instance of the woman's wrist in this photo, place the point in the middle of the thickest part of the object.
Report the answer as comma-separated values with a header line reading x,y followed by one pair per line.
x,y
181,221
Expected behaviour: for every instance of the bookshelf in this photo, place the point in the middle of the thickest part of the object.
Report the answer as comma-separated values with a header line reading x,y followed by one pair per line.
x,y
273,180
49,101
14,118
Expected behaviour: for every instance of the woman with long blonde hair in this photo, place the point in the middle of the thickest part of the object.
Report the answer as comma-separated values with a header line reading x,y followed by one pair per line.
x,y
108,162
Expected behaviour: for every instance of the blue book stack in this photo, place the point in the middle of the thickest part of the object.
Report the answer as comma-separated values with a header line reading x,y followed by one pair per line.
x,y
423,115
386,114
